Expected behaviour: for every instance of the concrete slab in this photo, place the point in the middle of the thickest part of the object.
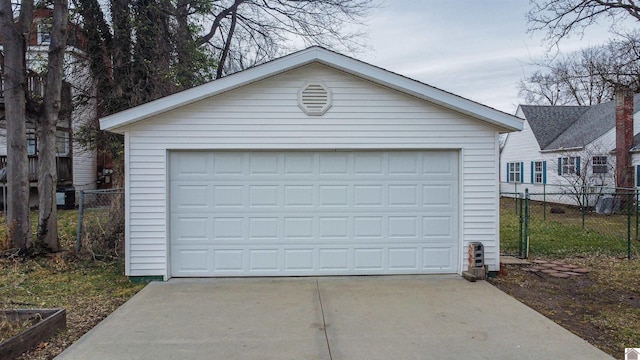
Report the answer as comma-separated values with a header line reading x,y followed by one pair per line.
x,y
512,260
211,319
393,317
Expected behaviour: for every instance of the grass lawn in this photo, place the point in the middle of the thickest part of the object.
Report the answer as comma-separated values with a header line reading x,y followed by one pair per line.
x,y
602,307
89,290
561,235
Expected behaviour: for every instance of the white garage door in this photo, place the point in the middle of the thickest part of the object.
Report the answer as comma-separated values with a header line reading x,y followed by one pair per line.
x,y
313,213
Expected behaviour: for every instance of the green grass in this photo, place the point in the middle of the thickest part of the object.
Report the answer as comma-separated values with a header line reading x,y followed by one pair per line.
x,y
562,235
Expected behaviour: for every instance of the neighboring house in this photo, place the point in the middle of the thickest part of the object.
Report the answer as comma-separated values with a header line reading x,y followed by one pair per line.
x,y
77,167
562,149
311,164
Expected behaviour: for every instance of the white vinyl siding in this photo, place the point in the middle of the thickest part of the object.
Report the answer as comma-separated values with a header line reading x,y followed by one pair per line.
x,y
265,116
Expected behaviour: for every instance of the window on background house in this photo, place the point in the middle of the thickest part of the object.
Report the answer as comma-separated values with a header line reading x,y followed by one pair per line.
x,y
514,172
44,34
599,164
538,172
62,143
32,142
569,165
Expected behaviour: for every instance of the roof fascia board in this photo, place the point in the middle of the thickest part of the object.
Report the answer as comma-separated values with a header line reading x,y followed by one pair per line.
x,y
577,148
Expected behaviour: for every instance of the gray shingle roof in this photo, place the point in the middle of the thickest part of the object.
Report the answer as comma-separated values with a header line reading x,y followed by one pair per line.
x,y
557,127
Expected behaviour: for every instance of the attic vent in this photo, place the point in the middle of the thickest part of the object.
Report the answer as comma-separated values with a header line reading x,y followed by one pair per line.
x,y
314,98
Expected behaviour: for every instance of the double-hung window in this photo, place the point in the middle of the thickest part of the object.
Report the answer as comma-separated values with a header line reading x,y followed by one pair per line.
x,y
514,172
32,142
538,170
569,165
599,164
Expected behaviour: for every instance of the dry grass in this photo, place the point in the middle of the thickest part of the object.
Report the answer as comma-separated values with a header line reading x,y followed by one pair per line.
x,y
602,307
10,328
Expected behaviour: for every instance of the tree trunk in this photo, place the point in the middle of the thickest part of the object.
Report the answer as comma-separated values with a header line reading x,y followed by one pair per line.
x,y
14,38
47,124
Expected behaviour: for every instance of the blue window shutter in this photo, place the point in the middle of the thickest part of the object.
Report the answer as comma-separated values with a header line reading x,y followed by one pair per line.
x,y
559,166
544,172
508,180
522,172
532,168
637,175
578,166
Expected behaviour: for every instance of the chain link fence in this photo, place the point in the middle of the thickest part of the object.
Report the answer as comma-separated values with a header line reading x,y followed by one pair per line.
x,y
590,222
101,223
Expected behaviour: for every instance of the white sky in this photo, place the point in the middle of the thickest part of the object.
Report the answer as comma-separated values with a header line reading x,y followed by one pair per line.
x,y
475,49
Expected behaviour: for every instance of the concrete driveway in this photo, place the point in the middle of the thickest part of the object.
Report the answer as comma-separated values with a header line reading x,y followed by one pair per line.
x,y
392,317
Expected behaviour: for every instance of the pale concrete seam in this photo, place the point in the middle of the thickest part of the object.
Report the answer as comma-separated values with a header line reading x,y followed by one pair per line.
x,y
324,322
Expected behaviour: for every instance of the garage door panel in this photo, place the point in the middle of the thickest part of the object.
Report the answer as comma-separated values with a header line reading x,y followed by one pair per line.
x,y
299,260
438,227
403,259
368,164
225,164
228,196
438,195
192,228
292,260
302,213
403,195
298,228
191,196
228,228
403,227
299,164
228,260
368,259
264,260
333,259
368,195
261,228
438,259
299,195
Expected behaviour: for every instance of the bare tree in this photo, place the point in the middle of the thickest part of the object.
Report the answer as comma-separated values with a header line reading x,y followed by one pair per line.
x,y
46,128
585,77
15,36
247,32
586,180
560,18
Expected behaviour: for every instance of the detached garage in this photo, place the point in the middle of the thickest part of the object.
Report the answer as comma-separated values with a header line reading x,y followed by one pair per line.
x,y
311,164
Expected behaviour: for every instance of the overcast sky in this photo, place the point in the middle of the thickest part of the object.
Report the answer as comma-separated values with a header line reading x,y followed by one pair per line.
x,y
475,49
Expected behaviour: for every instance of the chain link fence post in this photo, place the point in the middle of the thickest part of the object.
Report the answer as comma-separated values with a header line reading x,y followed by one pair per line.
x,y
80,218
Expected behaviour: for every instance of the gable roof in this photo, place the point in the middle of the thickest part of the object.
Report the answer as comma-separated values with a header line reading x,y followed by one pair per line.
x,y
564,127
504,121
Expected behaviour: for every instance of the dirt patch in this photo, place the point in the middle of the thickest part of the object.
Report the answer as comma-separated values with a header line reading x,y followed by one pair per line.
x,y
601,306
88,290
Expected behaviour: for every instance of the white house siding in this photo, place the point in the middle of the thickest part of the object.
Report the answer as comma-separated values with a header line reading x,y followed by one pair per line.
x,y
523,147
3,142
265,115
85,172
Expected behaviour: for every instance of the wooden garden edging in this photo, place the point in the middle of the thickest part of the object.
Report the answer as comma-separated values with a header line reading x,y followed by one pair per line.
x,y
52,321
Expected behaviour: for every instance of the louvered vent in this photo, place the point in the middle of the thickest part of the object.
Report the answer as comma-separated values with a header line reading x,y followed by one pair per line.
x,y
314,98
